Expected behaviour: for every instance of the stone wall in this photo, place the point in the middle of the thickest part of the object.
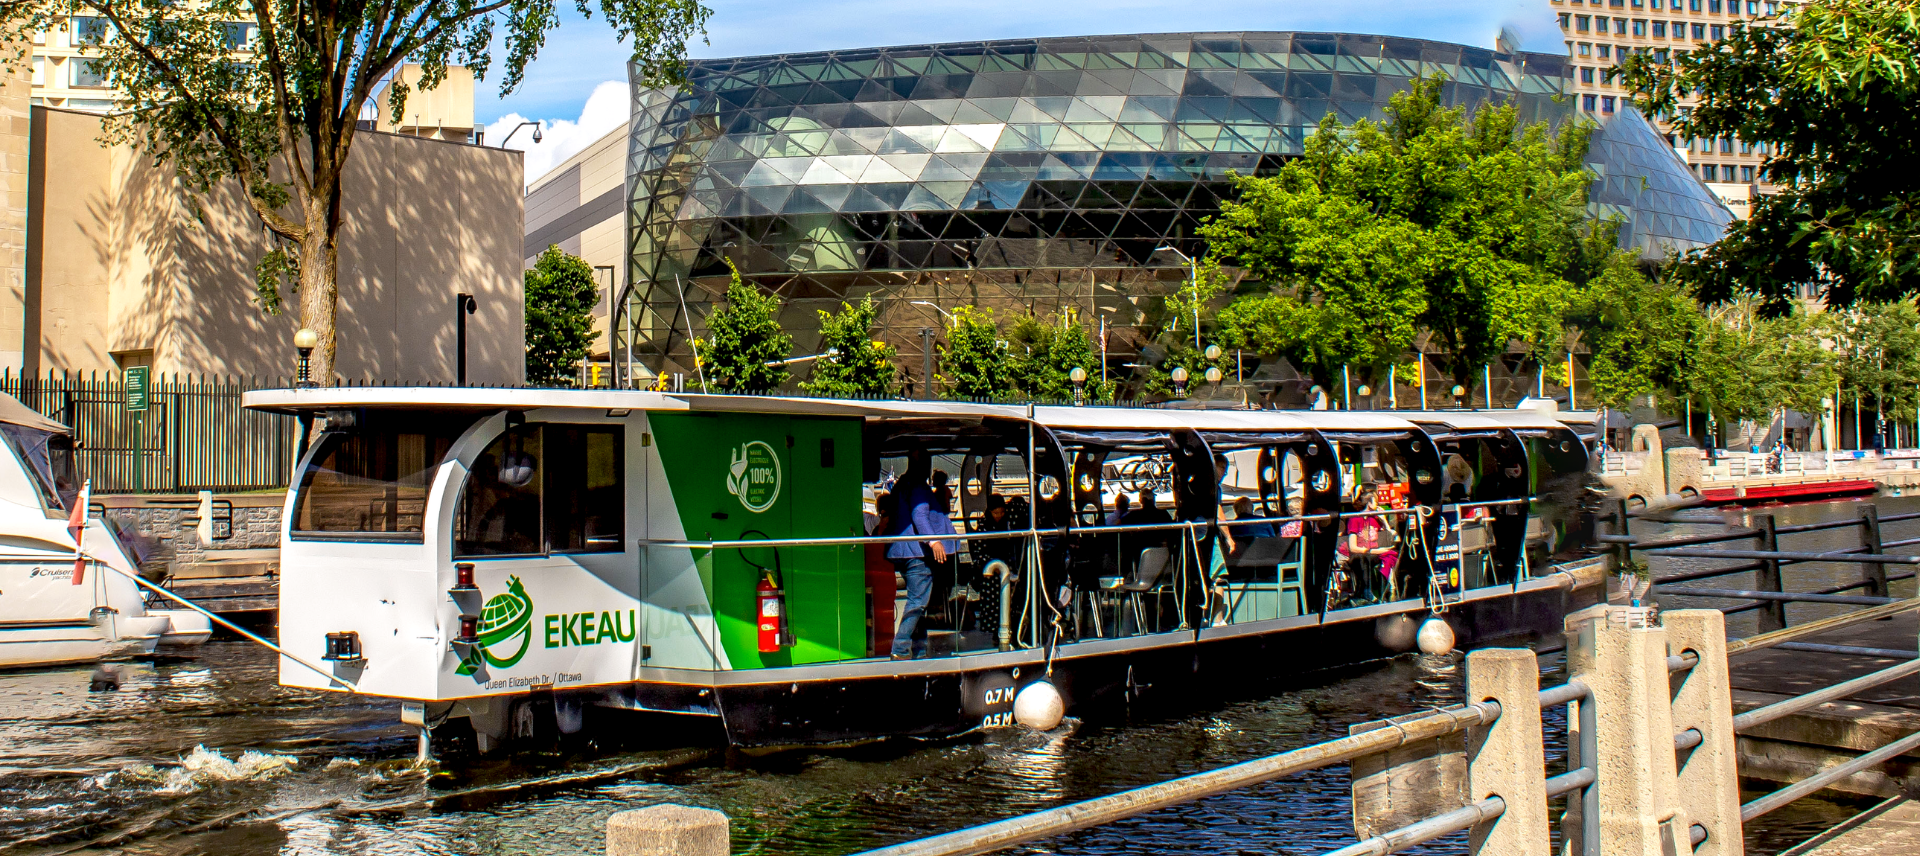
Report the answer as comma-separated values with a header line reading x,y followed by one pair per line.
x,y
159,530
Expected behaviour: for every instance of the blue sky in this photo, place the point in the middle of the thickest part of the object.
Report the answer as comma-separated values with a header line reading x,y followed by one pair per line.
x,y
581,55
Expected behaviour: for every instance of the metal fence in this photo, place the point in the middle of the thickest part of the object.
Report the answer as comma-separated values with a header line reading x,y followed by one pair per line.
x,y
193,436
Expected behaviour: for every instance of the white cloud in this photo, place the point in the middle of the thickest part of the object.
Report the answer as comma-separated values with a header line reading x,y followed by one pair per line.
x,y
606,110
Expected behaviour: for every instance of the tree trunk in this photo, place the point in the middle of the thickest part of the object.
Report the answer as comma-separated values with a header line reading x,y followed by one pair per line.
x,y
319,285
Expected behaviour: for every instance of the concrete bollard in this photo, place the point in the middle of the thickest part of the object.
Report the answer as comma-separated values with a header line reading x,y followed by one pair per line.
x,y
1507,758
1709,780
1639,806
668,830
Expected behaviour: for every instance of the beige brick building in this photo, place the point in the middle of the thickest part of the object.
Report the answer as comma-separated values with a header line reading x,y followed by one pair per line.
x,y
1600,33
580,206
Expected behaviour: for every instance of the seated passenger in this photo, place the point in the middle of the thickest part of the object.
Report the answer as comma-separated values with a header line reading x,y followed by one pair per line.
x,y
1121,505
1242,534
1367,542
1296,507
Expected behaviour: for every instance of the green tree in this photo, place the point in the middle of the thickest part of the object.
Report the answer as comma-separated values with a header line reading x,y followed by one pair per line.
x,y
1472,228
743,337
1640,334
280,120
1044,354
1878,350
560,297
1833,98
973,363
1745,365
858,364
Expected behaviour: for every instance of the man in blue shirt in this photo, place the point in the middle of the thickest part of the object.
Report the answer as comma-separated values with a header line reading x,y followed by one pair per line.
x,y
919,513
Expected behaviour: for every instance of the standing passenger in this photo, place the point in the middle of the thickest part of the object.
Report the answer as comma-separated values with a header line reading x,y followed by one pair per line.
x,y
914,502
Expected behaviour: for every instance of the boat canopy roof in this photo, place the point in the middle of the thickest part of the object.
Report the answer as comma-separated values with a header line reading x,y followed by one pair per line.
x,y
12,412
1335,424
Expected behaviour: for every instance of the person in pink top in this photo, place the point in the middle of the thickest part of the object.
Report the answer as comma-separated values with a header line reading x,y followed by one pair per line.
x,y
1367,537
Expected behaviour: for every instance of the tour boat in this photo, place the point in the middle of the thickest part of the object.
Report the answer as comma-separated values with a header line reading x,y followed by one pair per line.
x,y
520,559
46,616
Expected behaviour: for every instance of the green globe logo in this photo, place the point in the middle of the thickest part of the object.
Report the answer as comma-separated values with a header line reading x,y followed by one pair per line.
x,y
505,618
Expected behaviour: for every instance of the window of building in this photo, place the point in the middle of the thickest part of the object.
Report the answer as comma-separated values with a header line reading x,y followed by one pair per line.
x,y
1659,29
101,104
545,488
1586,49
86,74
1746,148
1675,5
1617,4
1699,31
1773,9
1586,76
1746,174
1660,55
1606,104
1694,5
1581,23
1706,172
1718,32
1619,26
1726,145
1587,103
1753,7
370,477
1639,3
1640,29
240,35
1713,6
1606,51
90,30
1566,18
39,71
39,37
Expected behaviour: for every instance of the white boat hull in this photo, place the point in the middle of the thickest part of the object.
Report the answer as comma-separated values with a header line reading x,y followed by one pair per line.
x,y
184,627
52,645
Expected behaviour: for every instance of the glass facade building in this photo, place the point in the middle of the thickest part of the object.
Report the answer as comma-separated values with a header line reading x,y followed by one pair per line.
x,y
1044,175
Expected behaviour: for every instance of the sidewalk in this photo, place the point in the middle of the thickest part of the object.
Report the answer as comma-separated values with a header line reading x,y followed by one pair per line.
x,y
1888,828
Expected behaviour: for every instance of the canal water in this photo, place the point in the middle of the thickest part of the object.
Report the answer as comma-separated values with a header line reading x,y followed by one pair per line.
x,y
207,754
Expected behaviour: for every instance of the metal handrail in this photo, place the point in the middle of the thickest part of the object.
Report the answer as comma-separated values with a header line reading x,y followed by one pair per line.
x,y
1814,628
1826,777
1763,715
1094,812
1464,817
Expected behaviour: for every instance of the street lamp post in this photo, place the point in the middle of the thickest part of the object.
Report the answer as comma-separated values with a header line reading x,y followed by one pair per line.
x,y
1459,397
463,305
1079,379
516,130
1365,391
1179,382
304,341
926,360
1193,281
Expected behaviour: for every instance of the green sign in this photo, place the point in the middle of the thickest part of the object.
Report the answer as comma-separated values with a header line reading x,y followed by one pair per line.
x,y
137,389
506,627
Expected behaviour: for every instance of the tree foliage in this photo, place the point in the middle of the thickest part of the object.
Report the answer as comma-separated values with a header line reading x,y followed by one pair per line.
x,y
1833,97
973,361
1878,350
854,362
1472,228
1044,353
1746,365
560,293
269,94
742,338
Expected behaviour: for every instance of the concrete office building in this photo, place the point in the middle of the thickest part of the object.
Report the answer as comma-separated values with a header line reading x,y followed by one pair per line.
x,y
1039,174
1601,33
580,206
119,271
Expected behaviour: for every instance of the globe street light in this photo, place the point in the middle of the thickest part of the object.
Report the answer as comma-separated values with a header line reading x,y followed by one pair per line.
x,y
1079,378
304,341
1459,397
1179,382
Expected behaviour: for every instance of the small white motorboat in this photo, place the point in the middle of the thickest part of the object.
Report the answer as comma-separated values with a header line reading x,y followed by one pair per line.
x,y
46,616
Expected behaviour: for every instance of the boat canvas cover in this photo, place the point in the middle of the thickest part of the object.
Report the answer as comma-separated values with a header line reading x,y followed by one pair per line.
x,y
12,412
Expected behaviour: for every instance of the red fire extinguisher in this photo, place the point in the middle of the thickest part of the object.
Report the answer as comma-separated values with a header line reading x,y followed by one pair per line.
x,y
773,616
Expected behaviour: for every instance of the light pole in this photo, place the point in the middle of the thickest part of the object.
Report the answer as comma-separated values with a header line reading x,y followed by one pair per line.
x,y
516,130
1365,391
926,360
1459,397
1193,281
1079,379
935,307
1180,382
463,305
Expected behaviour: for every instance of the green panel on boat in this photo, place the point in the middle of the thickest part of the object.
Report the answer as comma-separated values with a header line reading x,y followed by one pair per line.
x,y
748,475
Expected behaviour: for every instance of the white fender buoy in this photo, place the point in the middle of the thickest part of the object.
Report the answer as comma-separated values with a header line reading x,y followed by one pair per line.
x,y
1436,636
1039,706
1395,632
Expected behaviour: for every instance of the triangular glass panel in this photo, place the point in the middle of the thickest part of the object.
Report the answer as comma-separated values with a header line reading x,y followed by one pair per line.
x,y
833,196
951,194
909,165
820,173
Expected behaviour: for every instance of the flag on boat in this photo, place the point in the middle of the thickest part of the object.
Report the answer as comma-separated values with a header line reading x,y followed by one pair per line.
x,y
77,524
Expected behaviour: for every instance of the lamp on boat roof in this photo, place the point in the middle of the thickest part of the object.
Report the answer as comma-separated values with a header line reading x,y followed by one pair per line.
x,y
1179,381
304,341
1079,378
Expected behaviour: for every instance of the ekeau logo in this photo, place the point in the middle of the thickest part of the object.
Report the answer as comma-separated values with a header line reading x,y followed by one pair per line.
x,y
753,475
506,622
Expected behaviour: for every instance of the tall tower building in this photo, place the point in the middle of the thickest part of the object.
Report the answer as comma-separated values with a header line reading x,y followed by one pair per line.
x,y
1601,33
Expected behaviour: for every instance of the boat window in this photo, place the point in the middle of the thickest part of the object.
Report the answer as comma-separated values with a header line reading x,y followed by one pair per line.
x,y
369,479
49,458
544,488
